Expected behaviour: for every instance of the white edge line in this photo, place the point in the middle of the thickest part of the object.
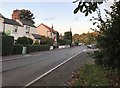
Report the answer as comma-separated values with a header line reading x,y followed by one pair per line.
x,y
46,73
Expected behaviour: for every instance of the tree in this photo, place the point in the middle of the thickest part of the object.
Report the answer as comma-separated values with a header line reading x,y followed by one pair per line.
x,y
57,36
109,38
76,37
27,15
87,7
68,36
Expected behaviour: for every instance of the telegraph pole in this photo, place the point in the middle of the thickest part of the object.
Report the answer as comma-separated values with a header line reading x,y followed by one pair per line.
x,y
71,36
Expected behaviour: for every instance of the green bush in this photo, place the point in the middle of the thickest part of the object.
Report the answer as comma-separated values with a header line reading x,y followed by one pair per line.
x,y
49,41
7,45
64,42
35,48
44,47
36,43
17,49
24,41
46,41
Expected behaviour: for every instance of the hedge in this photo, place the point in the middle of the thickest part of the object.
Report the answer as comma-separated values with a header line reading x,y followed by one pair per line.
x,y
7,45
24,41
17,49
34,48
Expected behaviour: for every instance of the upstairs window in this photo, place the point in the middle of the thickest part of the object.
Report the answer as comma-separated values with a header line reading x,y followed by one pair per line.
x,y
27,29
15,29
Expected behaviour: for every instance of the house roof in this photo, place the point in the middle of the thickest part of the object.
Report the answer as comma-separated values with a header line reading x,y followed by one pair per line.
x,y
11,21
25,22
1,16
50,29
36,36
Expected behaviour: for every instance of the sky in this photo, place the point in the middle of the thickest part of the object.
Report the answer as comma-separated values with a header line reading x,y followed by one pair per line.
x,y
58,14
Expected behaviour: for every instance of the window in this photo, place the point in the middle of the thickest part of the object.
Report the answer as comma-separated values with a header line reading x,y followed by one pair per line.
x,y
15,29
27,29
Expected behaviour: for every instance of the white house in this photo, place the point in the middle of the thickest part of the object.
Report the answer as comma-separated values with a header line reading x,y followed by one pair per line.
x,y
18,27
1,22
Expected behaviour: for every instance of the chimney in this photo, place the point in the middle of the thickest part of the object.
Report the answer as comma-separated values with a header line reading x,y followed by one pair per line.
x,y
16,14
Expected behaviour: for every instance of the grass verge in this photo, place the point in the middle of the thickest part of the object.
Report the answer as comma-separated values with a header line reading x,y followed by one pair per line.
x,y
92,75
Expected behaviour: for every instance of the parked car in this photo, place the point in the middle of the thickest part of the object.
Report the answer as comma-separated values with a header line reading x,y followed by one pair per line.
x,y
79,44
92,46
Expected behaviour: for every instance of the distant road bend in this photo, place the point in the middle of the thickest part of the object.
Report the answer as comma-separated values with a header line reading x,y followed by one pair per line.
x,y
20,72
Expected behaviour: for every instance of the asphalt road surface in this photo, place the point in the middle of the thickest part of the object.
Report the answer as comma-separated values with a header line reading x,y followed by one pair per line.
x,y
22,71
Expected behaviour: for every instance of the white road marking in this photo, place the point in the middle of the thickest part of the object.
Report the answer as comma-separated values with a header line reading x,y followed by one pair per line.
x,y
38,54
46,73
27,55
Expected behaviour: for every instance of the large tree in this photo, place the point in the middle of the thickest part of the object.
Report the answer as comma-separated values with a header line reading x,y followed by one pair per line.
x,y
76,37
109,38
27,15
68,36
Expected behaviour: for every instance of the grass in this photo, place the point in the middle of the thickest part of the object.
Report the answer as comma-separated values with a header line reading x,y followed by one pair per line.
x,y
92,75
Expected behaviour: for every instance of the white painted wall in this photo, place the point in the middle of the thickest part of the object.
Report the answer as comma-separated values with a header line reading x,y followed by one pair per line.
x,y
33,30
20,32
1,24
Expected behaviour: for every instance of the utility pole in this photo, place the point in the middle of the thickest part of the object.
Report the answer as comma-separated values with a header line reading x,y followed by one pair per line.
x,y
71,36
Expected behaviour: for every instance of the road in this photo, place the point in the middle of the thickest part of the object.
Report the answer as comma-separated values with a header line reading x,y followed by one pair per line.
x,y
22,71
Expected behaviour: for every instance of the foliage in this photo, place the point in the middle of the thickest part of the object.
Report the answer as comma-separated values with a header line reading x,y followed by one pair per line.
x,y
27,15
57,36
43,40
3,33
46,41
109,38
68,36
7,45
36,43
76,38
49,41
88,38
17,49
64,42
87,7
92,75
8,32
24,41
35,48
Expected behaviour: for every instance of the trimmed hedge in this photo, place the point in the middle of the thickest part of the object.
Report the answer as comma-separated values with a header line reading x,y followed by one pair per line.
x,y
17,49
7,45
35,48
24,41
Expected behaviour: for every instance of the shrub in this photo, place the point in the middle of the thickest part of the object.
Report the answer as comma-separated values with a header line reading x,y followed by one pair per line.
x,y
44,47
46,41
34,48
17,49
7,45
24,41
36,43
64,42
49,41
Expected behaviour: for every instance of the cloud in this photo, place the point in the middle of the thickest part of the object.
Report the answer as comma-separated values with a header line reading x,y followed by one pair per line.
x,y
48,19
